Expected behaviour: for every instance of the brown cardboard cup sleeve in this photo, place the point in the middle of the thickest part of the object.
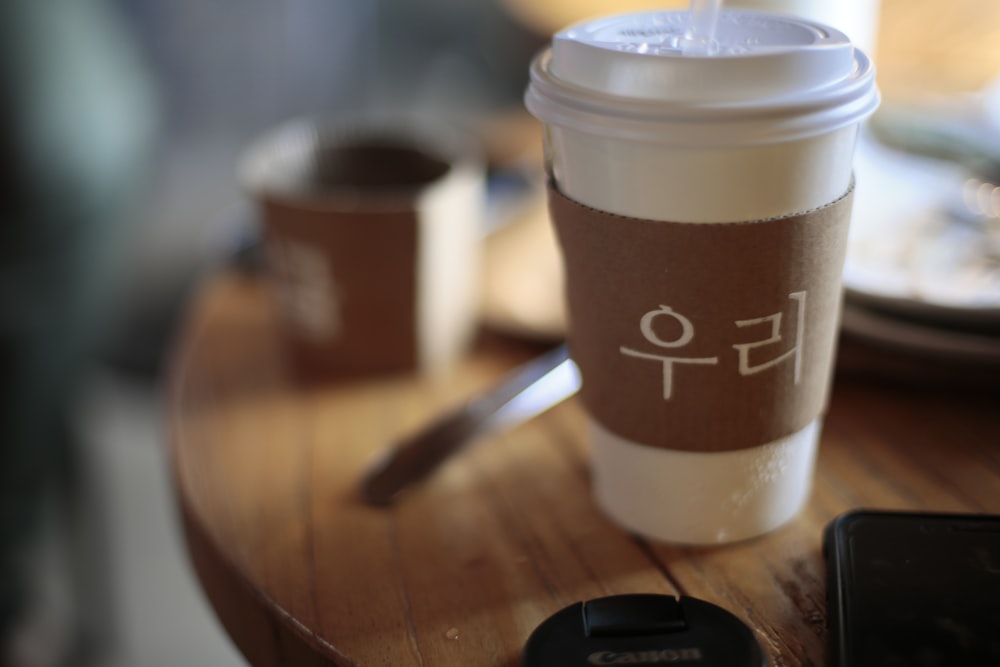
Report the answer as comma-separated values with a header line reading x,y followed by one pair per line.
x,y
703,336
347,284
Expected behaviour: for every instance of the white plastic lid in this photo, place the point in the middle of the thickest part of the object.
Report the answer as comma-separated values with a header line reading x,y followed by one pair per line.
x,y
774,78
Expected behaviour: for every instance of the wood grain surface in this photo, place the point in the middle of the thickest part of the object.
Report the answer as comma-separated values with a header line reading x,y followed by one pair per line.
x,y
464,567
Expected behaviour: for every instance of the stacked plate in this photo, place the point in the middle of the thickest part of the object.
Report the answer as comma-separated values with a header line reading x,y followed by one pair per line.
x,y
923,267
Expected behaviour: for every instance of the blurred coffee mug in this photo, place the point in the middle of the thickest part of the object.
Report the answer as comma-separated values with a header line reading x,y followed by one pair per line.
x,y
371,234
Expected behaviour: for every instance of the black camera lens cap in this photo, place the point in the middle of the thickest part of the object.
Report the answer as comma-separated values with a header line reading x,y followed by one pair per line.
x,y
643,629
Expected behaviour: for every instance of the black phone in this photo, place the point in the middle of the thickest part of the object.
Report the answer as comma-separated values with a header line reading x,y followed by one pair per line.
x,y
913,589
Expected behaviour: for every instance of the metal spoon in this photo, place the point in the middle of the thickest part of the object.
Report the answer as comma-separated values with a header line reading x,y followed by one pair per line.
x,y
523,393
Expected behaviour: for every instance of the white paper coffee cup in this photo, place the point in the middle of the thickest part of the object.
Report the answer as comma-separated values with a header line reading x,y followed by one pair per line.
x,y
766,128
372,230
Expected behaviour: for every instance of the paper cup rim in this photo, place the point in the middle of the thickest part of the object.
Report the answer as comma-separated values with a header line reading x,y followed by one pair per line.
x,y
258,165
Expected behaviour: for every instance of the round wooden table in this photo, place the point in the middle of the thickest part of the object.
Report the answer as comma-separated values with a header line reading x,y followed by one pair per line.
x,y
465,566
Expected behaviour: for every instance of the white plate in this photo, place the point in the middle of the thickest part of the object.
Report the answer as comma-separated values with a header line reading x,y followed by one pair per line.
x,y
906,254
927,340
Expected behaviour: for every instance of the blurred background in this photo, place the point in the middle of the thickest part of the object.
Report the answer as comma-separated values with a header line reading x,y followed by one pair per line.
x,y
121,124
